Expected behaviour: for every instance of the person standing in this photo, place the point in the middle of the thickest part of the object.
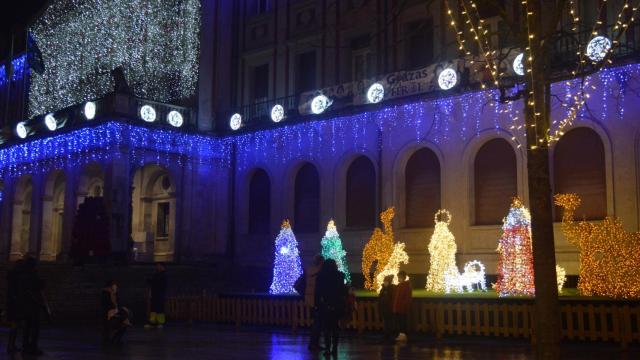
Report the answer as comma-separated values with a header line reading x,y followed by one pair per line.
x,y
158,292
385,303
402,299
330,297
309,300
14,315
115,318
30,296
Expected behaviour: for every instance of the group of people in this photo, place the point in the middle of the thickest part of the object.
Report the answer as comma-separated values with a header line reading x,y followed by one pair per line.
x,y
395,306
25,305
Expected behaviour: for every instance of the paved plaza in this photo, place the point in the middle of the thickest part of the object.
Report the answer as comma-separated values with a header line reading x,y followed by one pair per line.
x,y
223,342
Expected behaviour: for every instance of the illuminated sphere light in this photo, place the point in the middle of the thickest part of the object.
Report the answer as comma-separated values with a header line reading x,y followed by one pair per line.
x,y
443,272
598,48
332,249
609,254
378,250
90,110
392,267
50,122
375,94
319,104
287,267
277,113
21,130
148,113
518,64
447,79
174,118
236,121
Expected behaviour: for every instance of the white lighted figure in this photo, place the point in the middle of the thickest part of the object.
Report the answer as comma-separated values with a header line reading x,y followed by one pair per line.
x,y
447,79
148,113
398,256
442,255
598,47
90,110
50,122
277,113
319,104
375,94
473,277
518,64
235,122
561,277
174,118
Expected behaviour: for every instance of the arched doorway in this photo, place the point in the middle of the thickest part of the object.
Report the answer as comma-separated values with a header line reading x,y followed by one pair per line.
x,y
52,216
360,201
90,235
21,226
153,214
422,188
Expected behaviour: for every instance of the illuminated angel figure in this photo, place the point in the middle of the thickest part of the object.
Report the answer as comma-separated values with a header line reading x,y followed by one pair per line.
x,y
442,256
378,249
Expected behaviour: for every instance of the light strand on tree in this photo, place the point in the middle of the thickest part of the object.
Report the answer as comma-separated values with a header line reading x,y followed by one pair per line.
x,y
332,249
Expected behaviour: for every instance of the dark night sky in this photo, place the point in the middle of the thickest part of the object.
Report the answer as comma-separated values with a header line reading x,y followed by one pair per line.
x,y
14,17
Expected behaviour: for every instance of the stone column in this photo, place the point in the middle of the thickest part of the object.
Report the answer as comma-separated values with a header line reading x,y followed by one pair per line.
x,y
6,218
117,196
70,209
37,199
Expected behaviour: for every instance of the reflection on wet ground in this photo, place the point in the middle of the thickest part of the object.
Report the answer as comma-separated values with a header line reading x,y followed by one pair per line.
x,y
223,342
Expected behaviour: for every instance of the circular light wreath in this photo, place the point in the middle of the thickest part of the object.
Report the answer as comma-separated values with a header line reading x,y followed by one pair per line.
x,y
447,79
148,113
319,104
598,48
90,110
375,94
518,64
235,122
21,130
277,113
175,119
50,122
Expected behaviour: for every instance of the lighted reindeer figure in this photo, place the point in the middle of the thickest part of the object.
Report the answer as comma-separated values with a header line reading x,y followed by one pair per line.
x,y
379,248
473,275
609,255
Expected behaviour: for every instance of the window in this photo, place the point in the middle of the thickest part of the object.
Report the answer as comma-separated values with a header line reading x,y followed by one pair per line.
x,y
259,203
361,194
362,60
260,83
419,43
162,230
422,188
496,181
307,200
579,168
306,72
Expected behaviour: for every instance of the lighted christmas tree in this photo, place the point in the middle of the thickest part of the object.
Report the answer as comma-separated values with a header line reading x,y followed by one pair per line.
x,y
332,249
442,254
515,258
287,266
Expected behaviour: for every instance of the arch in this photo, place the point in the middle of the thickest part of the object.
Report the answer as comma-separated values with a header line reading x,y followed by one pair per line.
x,y
53,215
422,188
495,181
90,182
153,216
306,203
579,167
21,220
259,202
360,199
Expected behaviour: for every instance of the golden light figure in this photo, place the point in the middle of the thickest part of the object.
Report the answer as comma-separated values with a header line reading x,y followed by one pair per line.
x,y
398,256
379,248
442,256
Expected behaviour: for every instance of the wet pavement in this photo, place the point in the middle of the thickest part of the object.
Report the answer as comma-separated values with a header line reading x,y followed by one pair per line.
x,y
196,342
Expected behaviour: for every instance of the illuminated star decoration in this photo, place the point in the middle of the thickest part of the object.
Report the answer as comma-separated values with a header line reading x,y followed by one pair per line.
x,y
379,248
332,249
515,257
287,267
609,255
155,43
442,255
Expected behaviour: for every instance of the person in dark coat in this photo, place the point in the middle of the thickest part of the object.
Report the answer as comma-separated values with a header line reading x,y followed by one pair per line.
x,y
402,299
31,302
115,319
158,291
331,297
385,303
13,314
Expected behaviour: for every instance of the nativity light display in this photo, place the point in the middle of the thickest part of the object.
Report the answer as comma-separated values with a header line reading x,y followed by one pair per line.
x,y
235,122
148,113
175,119
83,42
375,93
89,110
378,250
598,48
447,79
609,255
442,255
277,113
287,267
332,249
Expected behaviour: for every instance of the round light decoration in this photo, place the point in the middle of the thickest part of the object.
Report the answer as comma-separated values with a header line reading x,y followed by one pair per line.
x,y
277,113
174,118
50,122
447,79
518,64
21,130
235,122
90,110
319,104
598,47
148,113
375,94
